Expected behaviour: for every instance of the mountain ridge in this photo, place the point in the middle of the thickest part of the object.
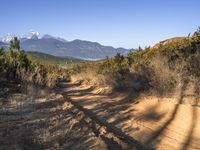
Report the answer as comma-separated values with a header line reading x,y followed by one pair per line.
x,y
82,49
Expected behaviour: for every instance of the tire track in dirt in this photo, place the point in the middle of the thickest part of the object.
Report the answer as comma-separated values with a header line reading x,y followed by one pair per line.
x,y
154,116
111,135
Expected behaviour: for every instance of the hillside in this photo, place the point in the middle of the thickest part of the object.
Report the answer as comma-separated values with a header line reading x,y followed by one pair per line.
x,y
50,59
167,41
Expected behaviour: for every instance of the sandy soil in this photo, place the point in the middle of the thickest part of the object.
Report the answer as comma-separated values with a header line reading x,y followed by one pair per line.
x,y
39,119
79,117
158,123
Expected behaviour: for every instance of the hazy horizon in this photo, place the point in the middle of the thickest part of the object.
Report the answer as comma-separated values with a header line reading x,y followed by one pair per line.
x,y
116,23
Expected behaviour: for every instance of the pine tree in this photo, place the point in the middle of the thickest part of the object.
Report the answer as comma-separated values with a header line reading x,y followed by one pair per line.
x,y
15,44
1,51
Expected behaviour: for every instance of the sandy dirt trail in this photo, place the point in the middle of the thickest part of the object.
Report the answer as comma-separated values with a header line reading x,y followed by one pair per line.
x,y
35,121
80,117
157,123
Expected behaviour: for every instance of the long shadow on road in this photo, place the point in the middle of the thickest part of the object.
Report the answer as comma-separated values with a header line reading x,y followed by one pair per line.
x,y
114,108
121,110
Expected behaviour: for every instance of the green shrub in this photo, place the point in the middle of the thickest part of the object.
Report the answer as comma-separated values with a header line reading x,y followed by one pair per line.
x,y
117,65
15,64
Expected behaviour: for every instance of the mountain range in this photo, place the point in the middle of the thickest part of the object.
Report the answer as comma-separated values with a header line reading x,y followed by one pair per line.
x,y
34,41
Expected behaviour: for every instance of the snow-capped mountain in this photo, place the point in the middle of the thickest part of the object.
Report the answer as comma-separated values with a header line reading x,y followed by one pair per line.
x,y
35,41
7,38
30,35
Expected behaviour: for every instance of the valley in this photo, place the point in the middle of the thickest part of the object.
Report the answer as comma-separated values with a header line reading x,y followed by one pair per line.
x,y
99,75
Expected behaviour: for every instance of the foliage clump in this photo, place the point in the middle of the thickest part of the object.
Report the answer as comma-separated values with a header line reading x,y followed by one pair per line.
x,y
17,65
161,68
169,63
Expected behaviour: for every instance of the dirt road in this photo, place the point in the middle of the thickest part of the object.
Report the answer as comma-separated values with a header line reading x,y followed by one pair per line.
x,y
80,117
158,123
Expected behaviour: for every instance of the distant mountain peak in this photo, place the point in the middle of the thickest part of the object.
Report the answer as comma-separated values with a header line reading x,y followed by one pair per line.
x,y
32,35
7,38
47,36
35,41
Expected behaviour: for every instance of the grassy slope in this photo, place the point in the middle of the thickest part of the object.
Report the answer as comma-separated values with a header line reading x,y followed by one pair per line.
x,y
50,59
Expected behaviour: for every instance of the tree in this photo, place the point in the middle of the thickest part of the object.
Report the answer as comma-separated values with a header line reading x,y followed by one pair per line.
x,y
15,44
197,33
22,60
196,40
2,60
1,51
140,48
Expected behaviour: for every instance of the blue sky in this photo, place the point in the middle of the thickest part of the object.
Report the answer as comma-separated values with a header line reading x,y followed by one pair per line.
x,y
120,23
